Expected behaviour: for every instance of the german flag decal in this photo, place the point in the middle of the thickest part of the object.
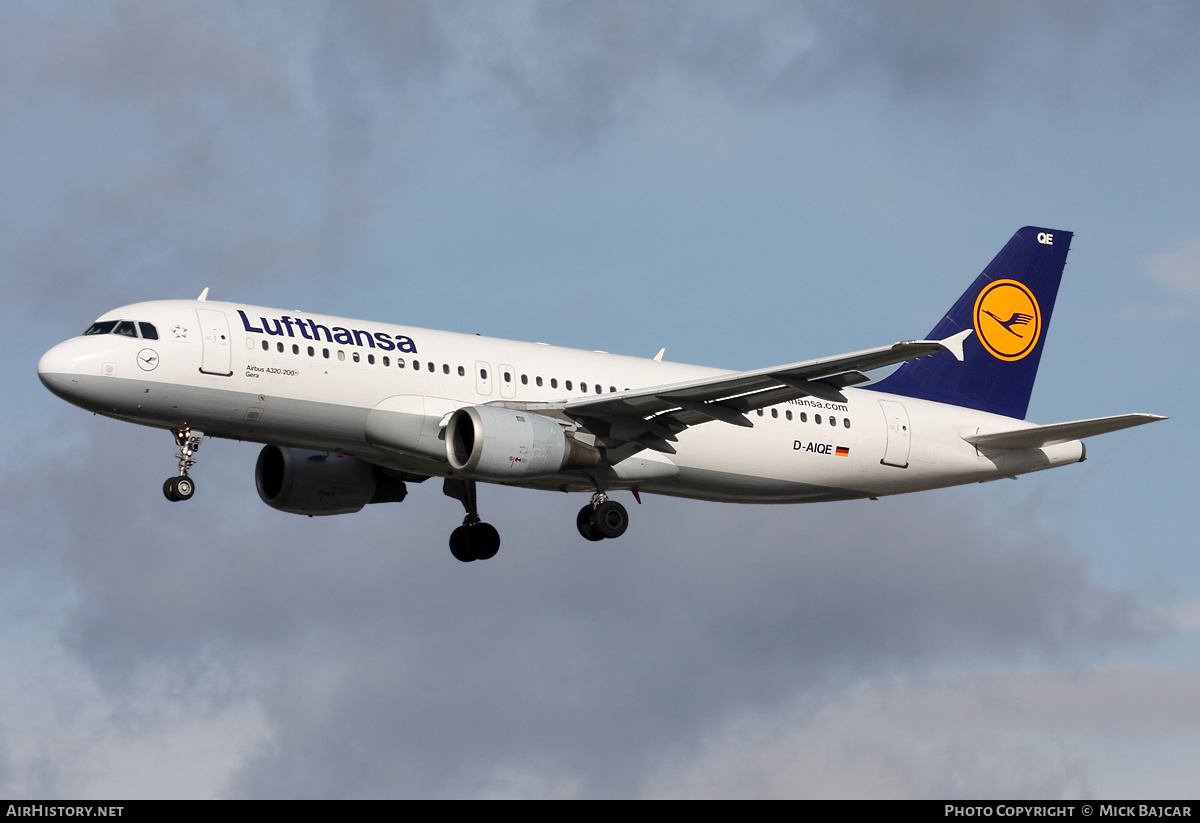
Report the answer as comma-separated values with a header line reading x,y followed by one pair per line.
x,y
842,451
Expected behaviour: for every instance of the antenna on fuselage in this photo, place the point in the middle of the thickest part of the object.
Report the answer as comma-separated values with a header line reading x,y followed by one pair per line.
x,y
661,352
203,295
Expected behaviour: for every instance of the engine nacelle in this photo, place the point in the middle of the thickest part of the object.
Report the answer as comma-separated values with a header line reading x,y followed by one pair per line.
x,y
300,481
508,444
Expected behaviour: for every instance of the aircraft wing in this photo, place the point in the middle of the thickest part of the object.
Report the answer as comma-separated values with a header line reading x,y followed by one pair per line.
x,y
651,418
1033,437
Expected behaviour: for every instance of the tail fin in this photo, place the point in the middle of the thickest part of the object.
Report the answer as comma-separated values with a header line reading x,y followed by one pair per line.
x,y
1009,308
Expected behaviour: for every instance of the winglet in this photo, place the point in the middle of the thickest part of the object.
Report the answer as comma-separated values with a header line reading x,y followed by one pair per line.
x,y
203,295
954,343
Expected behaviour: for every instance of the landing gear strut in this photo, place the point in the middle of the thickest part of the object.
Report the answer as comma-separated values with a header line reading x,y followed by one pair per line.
x,y
602,518
474,539
182,487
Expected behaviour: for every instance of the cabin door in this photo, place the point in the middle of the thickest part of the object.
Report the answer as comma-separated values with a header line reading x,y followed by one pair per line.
x,y
899,438
217,356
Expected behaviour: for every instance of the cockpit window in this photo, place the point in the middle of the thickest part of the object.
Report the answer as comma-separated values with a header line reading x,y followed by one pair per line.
x,y
125,328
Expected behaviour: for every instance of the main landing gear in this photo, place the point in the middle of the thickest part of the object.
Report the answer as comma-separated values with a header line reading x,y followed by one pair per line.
x,y
182,487
602,518
474,539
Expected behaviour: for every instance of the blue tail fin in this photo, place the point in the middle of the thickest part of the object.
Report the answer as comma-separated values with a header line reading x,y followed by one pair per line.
x,y
1009,307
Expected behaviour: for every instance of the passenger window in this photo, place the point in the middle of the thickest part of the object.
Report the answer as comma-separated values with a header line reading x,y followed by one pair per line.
x,y
598,389
817,419
483,374
832,420
399,362
341,355
125,328
387,361
538,380
430,365
524,380
416,365
279,347
775,413
554,382
148,331
445,368
846,422
355,356
612,389
582,387
266,346
295,349
101,328
325,353
803,417
311,352
759,412
788,414
462,372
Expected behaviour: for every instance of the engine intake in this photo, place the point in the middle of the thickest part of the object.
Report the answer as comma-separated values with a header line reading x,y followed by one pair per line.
x,y
300,481
496,443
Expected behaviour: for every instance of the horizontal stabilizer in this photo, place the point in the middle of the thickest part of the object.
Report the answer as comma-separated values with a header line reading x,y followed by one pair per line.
x,y
1036,436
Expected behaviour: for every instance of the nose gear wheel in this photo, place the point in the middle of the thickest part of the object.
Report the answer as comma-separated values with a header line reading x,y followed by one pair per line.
x,y
183,487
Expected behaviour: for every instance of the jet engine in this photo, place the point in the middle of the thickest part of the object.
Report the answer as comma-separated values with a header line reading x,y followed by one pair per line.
x,y
495,443
300,481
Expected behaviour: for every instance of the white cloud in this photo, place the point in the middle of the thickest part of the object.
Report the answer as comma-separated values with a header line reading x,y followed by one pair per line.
x,y
1038,734
168,734
1182,616
1177,268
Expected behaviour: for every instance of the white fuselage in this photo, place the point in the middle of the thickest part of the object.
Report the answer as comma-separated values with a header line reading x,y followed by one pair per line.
x,y
310,381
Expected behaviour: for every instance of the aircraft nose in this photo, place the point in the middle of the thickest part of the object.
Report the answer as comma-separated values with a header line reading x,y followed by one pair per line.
x,y
51,363
59,369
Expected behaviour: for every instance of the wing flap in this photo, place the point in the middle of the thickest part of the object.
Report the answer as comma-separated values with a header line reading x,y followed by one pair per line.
x,y
1036,436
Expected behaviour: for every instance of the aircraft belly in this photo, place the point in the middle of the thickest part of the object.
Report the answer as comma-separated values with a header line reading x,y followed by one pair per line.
x,y
220,412
712,484
775,462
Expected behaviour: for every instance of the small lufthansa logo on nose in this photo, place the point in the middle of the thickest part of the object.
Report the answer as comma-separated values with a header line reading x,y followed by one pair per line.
x,y
1008,319
147,359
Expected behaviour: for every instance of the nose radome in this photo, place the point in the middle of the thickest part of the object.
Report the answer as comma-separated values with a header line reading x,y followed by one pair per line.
x,y
59,368
55,361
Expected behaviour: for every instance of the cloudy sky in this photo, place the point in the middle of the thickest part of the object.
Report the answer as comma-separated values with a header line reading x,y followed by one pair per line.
x,y
745,184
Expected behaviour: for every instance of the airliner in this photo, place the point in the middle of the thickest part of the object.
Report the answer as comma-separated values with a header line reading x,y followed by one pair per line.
x,y
351,412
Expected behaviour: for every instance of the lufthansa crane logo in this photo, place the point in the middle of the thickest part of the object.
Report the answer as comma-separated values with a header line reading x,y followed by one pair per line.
x,y
1007,319
147,359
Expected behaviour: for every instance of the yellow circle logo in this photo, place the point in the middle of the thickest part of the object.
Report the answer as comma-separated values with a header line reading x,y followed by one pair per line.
x,y
1007,319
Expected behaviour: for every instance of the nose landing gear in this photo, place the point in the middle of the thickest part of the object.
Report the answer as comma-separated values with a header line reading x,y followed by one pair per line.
x,y
182,487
